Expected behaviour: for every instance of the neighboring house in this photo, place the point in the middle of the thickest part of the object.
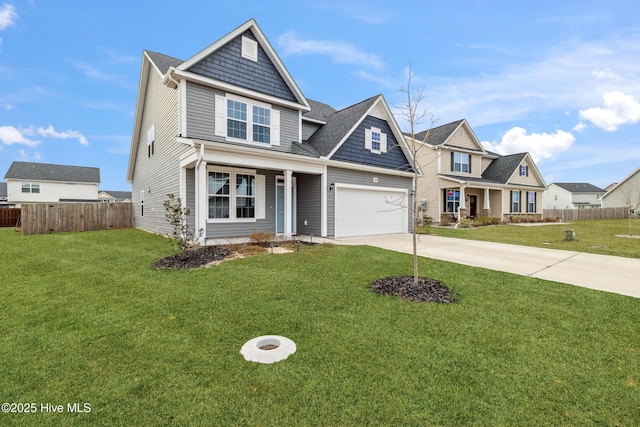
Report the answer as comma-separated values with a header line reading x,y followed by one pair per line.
x,y
113,196
3,196
573,195
625,193
229,132
40,183
463,180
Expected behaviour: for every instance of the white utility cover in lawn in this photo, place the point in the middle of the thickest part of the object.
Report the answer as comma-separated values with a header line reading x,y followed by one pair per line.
x,y
367,211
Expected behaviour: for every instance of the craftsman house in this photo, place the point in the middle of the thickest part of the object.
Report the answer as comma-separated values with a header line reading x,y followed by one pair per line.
x,y
230,132
463,180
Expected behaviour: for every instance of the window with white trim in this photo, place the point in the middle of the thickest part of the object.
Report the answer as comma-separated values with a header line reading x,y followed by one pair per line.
x,y
245,120
453,201
515,201
531,201
151,140
375,140
462,162
524,170
31,187
236,195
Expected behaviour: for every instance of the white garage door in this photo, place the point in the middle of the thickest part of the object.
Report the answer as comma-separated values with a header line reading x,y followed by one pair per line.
x,y
369,211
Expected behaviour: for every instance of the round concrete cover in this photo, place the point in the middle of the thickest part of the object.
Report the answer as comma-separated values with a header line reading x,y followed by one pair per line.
x,y
253,353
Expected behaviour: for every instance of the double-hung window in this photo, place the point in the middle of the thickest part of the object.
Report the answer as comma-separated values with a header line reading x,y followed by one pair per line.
x,y
531,201
236,119
515,201
453,201
233,195
461,162
524,170
261,124
31,187
246,120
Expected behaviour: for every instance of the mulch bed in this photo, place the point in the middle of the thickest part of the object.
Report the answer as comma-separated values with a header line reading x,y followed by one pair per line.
x,y
193,258
403,287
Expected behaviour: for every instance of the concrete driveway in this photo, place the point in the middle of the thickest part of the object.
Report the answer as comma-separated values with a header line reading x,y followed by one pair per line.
x,y
602,272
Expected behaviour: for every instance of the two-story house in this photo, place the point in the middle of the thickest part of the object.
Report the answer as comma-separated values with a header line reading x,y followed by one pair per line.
x,y
230,132
573,195
625,193
463,180
29,182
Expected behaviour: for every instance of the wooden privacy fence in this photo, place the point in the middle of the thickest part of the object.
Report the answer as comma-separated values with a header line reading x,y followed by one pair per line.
x,y
9,217
586,214
43,218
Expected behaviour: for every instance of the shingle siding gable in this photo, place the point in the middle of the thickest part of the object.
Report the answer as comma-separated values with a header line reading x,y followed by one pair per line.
x,y
227,65
353,149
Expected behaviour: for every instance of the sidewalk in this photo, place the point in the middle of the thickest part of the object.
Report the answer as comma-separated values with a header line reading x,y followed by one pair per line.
x,y
601,272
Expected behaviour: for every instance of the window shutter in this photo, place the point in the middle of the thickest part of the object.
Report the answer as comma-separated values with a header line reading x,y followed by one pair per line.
x,y
452,160
470,162
367,139
275,127
260,197
526,170
383,142
221,116
519,201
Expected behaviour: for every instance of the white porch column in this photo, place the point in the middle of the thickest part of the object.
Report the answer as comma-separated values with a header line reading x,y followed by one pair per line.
x,y
463,202
487,204
288,215
201,200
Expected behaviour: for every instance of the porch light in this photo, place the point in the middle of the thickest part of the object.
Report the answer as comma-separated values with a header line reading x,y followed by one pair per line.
x,y
332,186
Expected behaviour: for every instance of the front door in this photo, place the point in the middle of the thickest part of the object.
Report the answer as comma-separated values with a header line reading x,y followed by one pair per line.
x,y
280,206
473,204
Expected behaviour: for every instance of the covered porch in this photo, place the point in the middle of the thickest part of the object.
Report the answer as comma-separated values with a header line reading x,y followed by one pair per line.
x,y
470,201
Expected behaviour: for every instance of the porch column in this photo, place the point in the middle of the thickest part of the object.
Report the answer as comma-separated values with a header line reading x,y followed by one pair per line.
x,y
201,200
288,215
462,208
486,206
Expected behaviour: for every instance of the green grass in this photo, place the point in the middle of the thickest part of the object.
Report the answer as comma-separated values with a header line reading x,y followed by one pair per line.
x,y
84,319
597,237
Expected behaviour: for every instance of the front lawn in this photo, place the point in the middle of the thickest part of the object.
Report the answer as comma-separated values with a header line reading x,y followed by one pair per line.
x,y
84,319
596,237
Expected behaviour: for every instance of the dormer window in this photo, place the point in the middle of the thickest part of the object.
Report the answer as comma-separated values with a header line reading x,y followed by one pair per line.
x,y
375,140
461,162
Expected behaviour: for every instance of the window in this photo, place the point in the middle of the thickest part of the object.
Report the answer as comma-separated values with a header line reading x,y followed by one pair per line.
x,y
219,196
531,201
245,120
151,141
524,170
515,201
461,162
234,195
236,119
453,201
31,187
245,196
261,124
375,140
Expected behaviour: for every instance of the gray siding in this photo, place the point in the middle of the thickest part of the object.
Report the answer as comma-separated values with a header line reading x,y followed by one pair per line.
x,y
308,129
346,176
200,111
227,65
353,150
191,198
159,175
309,204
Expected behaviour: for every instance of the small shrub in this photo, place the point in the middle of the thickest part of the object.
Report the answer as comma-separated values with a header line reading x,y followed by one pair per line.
x,y
262,238
465,223
427,221
176,215
482,221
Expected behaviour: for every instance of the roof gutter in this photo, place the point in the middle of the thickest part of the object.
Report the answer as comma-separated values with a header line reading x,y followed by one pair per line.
x,y
168,79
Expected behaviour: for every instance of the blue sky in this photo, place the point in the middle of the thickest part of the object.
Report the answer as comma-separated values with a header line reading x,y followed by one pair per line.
x,y
559,79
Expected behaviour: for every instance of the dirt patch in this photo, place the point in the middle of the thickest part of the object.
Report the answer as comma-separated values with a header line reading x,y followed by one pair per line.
x,y
404,287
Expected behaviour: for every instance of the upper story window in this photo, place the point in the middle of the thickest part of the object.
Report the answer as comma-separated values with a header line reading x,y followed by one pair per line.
x,y
524,170
31,187
246,120
461,162
151,140
375,140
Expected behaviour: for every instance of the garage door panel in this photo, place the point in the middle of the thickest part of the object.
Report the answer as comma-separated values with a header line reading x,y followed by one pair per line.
x,y
363,212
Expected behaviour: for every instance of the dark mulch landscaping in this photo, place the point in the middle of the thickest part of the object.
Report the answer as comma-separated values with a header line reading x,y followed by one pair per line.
x,y
193,258
403,287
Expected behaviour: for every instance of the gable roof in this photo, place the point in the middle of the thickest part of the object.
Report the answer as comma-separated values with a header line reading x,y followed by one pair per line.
x,y
120,195
615,186
319,111
579,187
163,62
439,135
49,172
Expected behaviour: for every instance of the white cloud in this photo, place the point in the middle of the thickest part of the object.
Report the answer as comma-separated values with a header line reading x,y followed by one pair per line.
x,y
338,51
50,132
540,146
8,16
619,109
10,135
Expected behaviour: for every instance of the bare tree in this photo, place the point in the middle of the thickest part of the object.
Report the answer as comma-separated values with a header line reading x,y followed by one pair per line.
x,y
412,111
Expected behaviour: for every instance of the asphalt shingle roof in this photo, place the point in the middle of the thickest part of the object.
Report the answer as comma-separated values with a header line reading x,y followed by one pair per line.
x,y
163,62
501,169
438,135
325,139
319,111
579,187
49,172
